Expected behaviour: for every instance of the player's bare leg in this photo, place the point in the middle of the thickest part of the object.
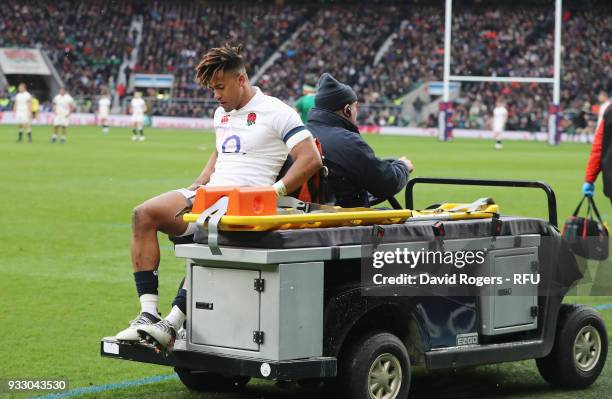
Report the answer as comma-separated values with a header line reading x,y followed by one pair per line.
x,y
156,214
164,332
153,215
63,136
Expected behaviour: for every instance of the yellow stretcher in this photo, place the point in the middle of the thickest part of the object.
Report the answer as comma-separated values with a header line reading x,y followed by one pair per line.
x,y
480,209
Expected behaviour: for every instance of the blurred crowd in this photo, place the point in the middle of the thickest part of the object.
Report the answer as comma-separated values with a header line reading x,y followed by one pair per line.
x,y
383,49
527,105
503,41
86,41
415,57
511,41
176,35
347,50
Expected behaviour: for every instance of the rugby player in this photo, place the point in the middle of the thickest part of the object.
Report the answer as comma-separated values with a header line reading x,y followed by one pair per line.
x,y
23,112
500,117
104,104
254,135
138,107
63,106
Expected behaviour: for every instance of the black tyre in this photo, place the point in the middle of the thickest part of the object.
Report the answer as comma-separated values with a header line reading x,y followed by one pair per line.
x,y
375,366
202,381
580,349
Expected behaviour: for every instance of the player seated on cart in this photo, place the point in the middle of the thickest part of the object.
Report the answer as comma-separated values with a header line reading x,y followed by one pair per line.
x,y
254,135
383,178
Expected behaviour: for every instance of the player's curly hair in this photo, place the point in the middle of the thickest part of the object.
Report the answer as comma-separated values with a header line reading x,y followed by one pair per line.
x,y
226,58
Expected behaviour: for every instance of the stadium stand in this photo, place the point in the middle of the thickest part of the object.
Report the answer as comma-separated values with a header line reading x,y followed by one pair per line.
x,y
325,45
174,35
416,56
88,41
504,41
347,50
85,40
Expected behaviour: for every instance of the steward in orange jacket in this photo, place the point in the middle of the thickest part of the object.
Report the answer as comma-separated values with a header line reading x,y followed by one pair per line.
x,y
600,159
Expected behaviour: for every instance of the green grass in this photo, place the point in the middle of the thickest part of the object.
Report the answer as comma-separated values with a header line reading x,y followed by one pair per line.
x,y
65,274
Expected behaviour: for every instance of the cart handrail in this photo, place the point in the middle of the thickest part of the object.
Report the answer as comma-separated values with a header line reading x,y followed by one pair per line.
x,y
550,194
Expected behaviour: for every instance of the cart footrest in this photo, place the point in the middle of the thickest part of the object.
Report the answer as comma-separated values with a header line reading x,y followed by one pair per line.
x,y
314,367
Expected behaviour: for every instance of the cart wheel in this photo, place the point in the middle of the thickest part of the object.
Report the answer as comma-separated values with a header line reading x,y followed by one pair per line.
x,y
375,366
579,353
203,381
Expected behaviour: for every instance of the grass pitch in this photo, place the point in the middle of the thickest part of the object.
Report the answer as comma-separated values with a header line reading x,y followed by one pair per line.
x,y
65,275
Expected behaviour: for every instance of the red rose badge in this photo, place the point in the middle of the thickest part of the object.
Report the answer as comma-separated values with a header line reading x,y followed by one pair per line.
x,y
251,118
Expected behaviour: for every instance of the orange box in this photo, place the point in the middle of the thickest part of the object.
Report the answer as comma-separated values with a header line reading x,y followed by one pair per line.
x,y
243,201
206,196
252,201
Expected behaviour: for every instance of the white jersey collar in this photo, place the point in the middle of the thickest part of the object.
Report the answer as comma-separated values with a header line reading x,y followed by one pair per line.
x,y
253,102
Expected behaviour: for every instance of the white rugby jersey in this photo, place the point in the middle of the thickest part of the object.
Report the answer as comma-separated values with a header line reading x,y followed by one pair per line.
x,y
138,106
500,115
63,104
254,141
22,99
104,105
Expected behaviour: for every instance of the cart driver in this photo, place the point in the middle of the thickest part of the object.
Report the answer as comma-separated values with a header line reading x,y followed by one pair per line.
x,y
254,135
354,169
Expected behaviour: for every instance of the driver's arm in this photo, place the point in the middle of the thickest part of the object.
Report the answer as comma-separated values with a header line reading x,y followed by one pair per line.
x,y
381,178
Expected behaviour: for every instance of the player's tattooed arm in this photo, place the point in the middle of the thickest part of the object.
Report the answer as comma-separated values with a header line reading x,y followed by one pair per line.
x,y
306,161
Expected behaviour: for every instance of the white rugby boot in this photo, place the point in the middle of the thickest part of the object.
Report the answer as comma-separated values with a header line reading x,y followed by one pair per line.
x,y
130,334
162,334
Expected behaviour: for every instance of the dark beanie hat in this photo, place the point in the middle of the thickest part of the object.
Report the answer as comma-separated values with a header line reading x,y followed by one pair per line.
x,y
333,95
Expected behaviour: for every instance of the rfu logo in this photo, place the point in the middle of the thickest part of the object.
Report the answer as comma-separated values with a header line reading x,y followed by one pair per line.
x,y
225,119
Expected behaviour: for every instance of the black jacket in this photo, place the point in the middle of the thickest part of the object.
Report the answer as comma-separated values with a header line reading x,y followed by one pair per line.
x,y
354,170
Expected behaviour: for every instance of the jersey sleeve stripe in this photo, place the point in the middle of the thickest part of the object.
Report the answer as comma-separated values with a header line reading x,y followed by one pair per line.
x,y
293,132
298,137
